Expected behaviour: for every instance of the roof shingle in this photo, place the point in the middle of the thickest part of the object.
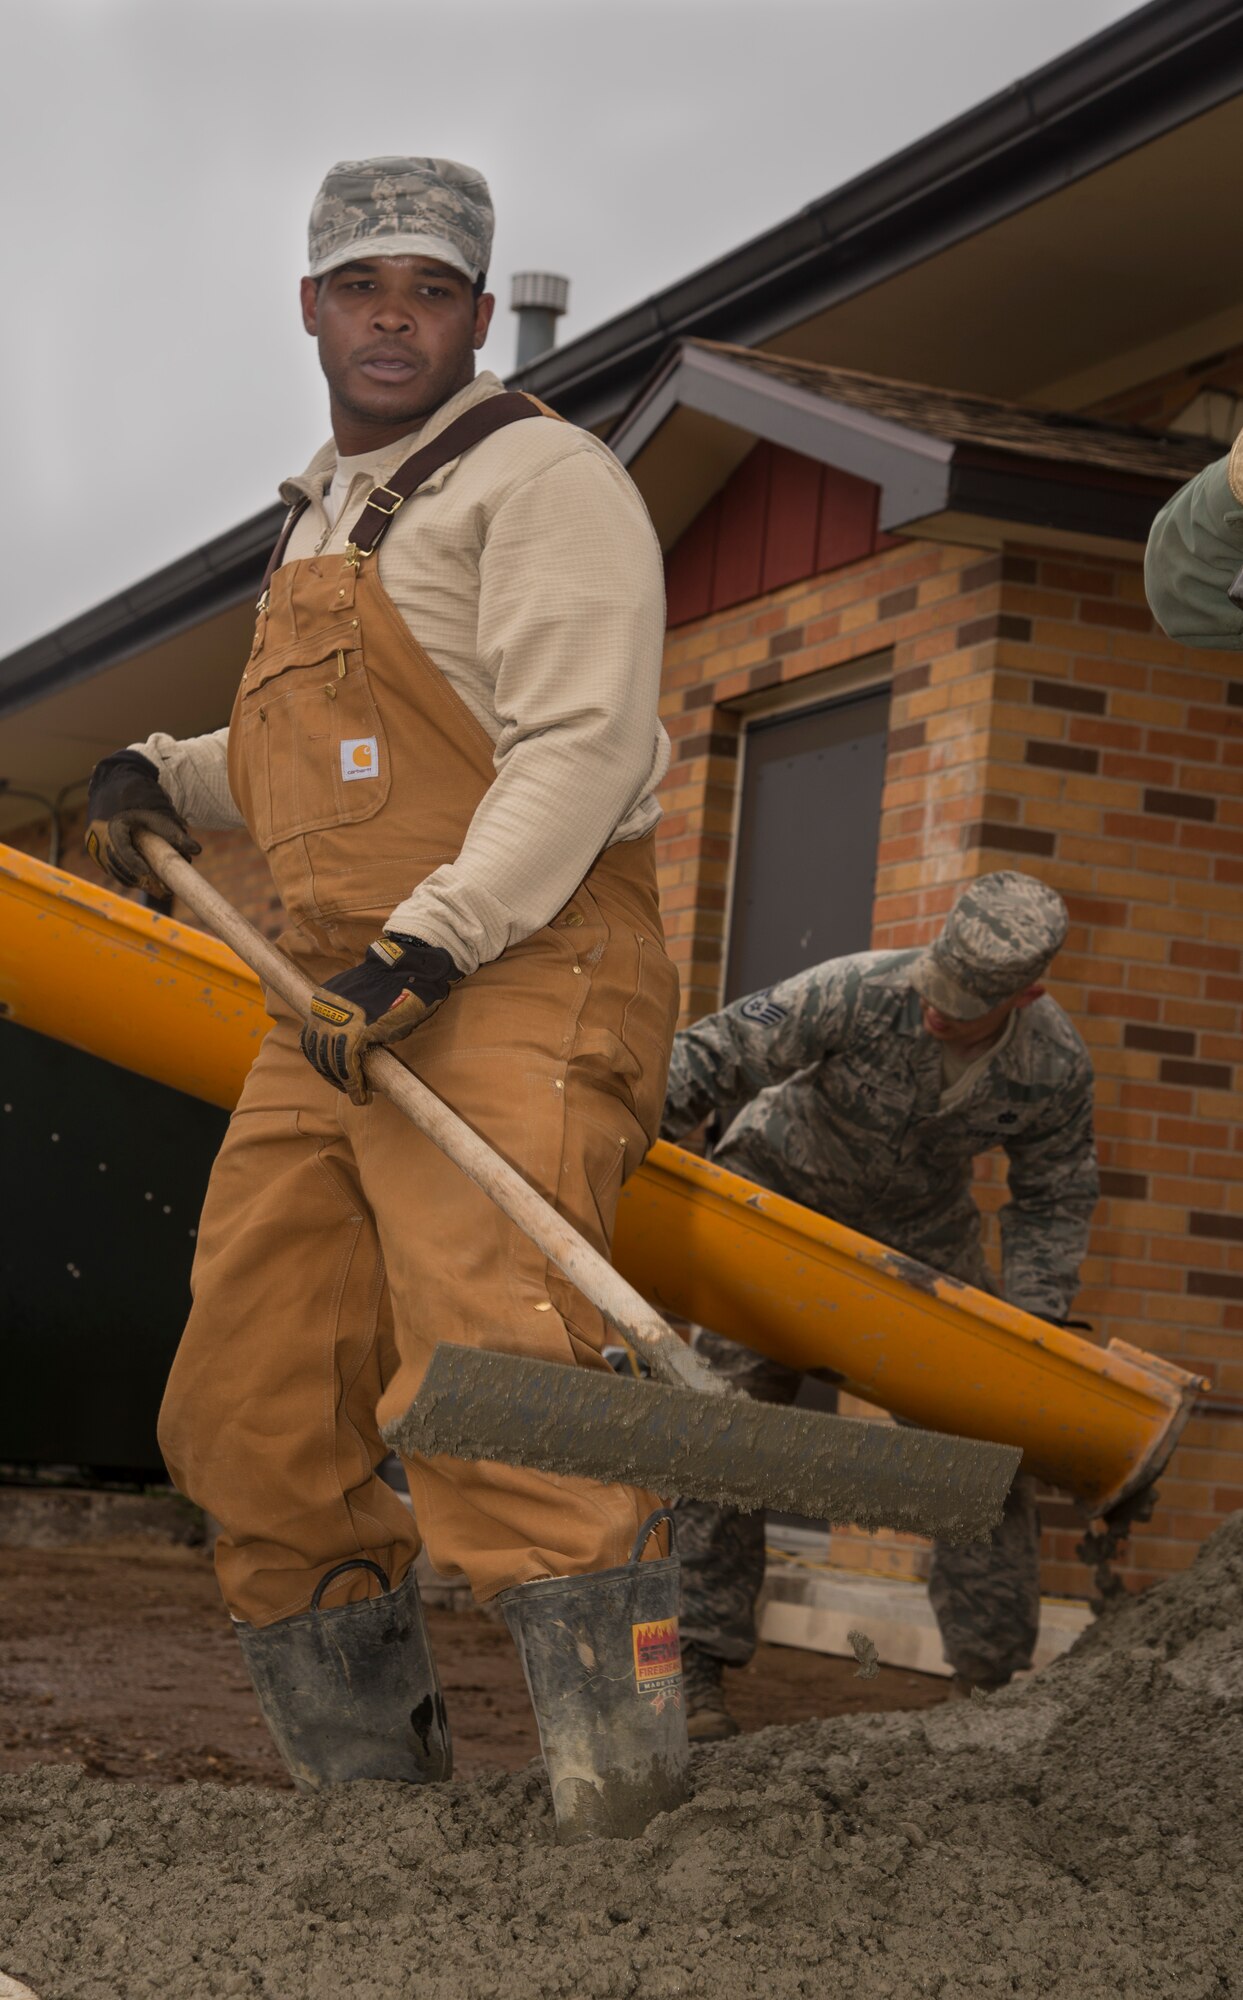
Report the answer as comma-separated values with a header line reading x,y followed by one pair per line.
x,y
980,422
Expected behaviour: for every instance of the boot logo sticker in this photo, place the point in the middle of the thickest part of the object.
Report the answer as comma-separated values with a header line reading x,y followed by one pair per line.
x,y
360,758
657,1655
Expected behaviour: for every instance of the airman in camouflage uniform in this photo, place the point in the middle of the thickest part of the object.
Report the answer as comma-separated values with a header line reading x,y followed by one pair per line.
x,y
864,1089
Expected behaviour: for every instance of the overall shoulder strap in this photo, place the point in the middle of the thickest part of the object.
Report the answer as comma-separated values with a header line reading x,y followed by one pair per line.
x,y
469,429
282,543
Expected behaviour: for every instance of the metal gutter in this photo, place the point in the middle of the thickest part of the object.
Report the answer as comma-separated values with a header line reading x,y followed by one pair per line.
x,y
214,578
1151,72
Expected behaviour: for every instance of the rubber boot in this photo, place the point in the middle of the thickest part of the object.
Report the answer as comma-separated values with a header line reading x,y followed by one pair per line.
x,y
602,1663
352,1692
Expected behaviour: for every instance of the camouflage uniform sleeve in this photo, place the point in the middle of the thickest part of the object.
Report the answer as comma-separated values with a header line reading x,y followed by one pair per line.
x,y
1195,551
1054,1189
728,1058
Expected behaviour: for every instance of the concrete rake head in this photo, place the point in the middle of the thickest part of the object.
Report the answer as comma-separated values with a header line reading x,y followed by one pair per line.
x,y
595,1425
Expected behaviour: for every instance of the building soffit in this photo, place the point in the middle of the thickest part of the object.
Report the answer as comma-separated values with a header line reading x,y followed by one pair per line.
x,y
170,647
220,575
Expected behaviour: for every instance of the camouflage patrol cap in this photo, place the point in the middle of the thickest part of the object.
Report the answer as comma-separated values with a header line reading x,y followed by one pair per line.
x,y
402,208
1001,935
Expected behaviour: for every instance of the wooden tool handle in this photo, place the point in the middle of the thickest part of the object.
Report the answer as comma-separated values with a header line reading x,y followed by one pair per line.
x,y
667,1356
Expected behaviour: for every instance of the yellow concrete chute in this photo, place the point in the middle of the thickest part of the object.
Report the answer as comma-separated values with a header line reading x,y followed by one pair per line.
x,y
159,997
106,975
708,1246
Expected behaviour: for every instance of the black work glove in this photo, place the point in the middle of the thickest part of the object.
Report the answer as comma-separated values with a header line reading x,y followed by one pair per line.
x,y
126,794
399,984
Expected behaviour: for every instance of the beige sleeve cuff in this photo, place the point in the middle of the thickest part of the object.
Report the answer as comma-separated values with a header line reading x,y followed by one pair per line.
x,y
1234,469
195,774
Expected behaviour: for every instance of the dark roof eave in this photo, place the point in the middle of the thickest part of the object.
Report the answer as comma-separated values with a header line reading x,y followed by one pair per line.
x,y
214,578
1150,72
1074,501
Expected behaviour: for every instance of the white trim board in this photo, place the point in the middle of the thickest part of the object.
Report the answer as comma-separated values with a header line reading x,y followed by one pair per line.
x,y
814,1609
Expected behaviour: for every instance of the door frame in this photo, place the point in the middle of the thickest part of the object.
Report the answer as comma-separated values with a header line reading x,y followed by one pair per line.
x,y
836,687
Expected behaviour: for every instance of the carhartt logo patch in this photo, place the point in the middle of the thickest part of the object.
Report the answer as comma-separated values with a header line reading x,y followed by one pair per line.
x,y
360,758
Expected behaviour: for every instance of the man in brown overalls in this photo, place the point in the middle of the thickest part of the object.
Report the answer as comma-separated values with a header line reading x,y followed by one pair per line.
x,y
445,741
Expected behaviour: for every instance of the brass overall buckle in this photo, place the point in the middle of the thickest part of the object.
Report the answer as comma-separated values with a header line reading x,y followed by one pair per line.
x,y
397,499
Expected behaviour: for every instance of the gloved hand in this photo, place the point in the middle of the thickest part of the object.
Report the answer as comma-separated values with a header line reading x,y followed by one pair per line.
x,y
399,984
125,794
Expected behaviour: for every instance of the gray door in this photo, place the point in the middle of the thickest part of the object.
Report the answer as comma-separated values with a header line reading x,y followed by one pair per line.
x,y
807,837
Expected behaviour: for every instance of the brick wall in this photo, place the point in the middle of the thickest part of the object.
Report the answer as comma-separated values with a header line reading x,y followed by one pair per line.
x,y
231,860
1114,770
1039,721
918,599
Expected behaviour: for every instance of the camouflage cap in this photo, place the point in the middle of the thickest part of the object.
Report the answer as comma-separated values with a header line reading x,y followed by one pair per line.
x,y
1001,935
402,208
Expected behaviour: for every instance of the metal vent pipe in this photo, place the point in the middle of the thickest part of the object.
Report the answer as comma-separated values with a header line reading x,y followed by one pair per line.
x,y
539,298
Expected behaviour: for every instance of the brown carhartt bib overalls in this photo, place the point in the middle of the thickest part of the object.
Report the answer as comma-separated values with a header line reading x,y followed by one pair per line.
x,y
337,1245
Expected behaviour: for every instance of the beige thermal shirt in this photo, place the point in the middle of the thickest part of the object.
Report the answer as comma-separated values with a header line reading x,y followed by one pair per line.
x,y
529,572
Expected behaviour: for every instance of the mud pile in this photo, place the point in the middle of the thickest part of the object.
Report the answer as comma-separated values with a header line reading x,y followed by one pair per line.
x,y
1080,1836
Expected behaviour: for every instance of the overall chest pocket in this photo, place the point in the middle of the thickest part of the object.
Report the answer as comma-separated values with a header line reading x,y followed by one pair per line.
x,y
313,749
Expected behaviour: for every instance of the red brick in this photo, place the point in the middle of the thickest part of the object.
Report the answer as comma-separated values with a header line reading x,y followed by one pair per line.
x,y
1191,1132
1062,576
1181,744
1218,721
1124,1006
1108,735
1206,957
1122,617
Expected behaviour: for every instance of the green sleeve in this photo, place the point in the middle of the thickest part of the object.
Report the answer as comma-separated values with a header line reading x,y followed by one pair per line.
x,y
1195,551
1054,1189
728,1058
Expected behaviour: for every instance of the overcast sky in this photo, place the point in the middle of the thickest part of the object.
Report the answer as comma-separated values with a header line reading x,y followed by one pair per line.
x,y
160,158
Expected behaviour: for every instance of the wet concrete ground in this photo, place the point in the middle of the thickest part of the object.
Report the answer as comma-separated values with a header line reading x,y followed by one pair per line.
x,y
1077,1837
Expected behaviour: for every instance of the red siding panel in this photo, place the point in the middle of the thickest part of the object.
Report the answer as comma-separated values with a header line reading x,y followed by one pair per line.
x,y
793,516
689,566
740,543
778,518
847,519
